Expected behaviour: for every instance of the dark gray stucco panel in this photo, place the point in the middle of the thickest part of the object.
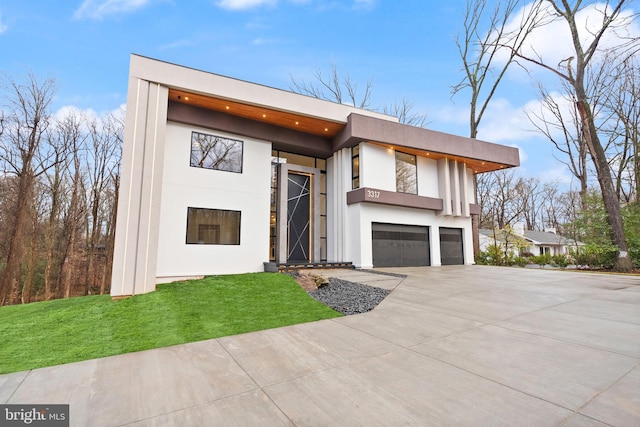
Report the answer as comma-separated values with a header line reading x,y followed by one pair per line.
x,y
362,128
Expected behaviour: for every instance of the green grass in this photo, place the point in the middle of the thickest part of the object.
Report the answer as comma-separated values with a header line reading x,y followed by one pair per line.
x,y
69,330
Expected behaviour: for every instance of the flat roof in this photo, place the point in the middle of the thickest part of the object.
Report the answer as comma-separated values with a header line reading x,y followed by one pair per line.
x,y
333,125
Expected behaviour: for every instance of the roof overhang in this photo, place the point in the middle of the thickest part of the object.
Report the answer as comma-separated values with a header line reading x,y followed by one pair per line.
x,y
479,155
286,117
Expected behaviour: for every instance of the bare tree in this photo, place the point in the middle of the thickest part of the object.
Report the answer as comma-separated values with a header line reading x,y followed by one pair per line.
x,y
343,90
405,113
532,202
501,197
623,128
334,87
480,49
24,154
106,140
574,70
564,132
480,46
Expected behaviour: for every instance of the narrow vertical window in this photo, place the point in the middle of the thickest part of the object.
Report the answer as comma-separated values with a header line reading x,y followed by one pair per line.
x,y
355,167
406,173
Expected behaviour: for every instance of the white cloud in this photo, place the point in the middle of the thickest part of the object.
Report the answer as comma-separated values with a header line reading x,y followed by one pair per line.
x,y
504,123
250,4
245,4
98,9
451,114
552,42
559,174
261,41
3,27
364,4
89,114
178,44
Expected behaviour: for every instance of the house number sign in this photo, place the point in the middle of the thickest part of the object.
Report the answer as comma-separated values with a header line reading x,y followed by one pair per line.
x,y
373,194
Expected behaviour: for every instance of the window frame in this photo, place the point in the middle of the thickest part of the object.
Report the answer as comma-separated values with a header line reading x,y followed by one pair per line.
x,y
220,232
415,171
236,142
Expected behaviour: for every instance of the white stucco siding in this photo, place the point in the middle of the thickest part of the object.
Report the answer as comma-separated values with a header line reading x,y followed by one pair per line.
x,y
471,186
377,167
185,186
427,177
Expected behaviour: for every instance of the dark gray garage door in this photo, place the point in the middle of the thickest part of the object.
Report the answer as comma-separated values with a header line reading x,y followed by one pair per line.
x,y
397,245
451,246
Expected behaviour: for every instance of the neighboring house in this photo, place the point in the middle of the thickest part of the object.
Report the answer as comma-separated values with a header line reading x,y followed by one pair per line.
x,y
221,175
536,242
514,243
550,243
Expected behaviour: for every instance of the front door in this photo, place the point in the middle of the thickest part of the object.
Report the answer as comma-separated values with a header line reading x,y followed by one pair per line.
x,y
298,217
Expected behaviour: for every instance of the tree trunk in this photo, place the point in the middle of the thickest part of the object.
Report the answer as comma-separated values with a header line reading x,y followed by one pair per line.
x,y
10,284
111,236
611,203
31,264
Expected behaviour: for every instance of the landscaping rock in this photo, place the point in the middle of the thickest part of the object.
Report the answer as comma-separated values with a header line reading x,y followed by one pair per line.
x,y
348,297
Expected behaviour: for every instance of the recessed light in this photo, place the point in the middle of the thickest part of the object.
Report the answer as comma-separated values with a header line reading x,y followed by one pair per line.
x,y
264,116
297,123
227,107
326,129
186,98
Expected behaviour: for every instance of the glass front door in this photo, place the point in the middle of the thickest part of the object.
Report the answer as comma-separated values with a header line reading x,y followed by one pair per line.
x,y
298,217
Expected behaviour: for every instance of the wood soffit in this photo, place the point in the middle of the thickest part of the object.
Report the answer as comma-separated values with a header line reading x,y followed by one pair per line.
x,y
310,125
478,166
299,122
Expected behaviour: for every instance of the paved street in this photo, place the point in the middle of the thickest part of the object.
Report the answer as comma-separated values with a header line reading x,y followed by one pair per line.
x,y
459,345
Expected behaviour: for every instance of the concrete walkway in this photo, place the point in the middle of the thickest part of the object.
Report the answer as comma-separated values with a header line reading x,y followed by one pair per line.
x,y
450,346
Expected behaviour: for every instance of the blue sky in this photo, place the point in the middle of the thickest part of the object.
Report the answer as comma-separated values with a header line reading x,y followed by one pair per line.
x,y
406,47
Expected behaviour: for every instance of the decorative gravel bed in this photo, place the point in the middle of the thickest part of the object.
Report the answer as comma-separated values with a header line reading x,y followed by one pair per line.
x,y
348,297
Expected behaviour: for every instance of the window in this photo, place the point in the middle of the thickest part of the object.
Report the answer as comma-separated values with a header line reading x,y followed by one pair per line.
x,y
355,167
406,173
213,227
216,152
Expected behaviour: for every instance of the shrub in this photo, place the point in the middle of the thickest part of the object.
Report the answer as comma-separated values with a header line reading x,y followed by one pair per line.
x,y
541,259
520,261
560,260
483,258
597,256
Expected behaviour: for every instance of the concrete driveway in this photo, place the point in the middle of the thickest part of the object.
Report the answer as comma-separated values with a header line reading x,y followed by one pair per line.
x,y
461,346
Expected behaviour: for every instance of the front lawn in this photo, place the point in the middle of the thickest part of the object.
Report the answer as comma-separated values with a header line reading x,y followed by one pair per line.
x,y
69,330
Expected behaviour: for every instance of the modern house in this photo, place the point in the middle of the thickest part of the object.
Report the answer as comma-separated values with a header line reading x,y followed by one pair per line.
x,y
221,175
520,239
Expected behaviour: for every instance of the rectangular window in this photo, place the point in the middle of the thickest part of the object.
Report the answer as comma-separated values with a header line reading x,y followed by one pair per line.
x,y
216,152
406,173
355,167
213,227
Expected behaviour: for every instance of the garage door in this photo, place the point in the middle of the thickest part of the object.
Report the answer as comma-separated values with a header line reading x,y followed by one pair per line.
x,y
397,245
451,246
